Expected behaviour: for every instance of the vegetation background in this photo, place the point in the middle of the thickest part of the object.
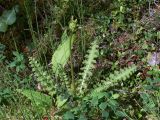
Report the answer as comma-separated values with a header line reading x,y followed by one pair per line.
x,y
79,60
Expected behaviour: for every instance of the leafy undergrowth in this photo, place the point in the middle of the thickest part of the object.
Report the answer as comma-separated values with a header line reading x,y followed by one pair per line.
x,y
83,60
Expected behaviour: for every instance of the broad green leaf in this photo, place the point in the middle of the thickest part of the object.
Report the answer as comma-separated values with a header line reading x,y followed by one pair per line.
x,y
64,36
3,25
62,54
10,15
36,98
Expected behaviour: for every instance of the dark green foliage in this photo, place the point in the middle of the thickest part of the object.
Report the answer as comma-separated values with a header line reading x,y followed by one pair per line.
x,y
49,85
80,60
6,96
151,95
18,62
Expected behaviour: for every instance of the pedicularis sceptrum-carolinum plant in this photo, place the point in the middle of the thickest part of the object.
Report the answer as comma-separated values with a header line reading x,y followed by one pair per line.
x,y
65,92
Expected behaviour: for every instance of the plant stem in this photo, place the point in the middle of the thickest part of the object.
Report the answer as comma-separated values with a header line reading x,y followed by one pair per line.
x,y
72,71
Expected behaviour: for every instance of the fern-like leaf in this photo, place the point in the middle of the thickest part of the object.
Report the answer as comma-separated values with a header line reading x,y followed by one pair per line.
x,y
116,77
36,98
43,77
88,65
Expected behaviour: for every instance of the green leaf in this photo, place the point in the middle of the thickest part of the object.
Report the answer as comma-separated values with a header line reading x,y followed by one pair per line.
x,y
68,116
121,114
12,64
62,54
103,105
88,66
64,36
105,114
3,25
16,54
112,104
37,98
99,95
61,101
8,18
115,96
102,94
10,15
94,101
